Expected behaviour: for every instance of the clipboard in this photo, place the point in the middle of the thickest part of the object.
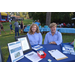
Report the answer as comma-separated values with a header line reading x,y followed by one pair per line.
x,y
57,54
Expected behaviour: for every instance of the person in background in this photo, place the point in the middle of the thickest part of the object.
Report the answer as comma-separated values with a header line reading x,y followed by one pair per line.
x,y
68,25
16,28
22,27
54,36
11,29
9,20
34,35
6,19
72,25
1,28
38,23
64,25
19,25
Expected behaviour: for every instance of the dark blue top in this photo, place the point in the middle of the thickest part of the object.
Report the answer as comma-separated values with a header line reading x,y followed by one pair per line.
x,y
10,26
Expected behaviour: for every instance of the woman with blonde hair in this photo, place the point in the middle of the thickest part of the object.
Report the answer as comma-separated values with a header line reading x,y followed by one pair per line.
x,y
34,35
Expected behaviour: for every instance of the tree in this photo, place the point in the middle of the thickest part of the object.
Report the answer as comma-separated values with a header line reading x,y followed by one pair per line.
x,y
73,14
38,15
15,13
60,17
48,18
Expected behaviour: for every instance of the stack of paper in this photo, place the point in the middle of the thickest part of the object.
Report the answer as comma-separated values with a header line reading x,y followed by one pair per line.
x,y
33,56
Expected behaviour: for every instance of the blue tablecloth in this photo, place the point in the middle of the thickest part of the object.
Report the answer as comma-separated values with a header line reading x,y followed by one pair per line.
x,y
66,30
71,58
62,30
26,29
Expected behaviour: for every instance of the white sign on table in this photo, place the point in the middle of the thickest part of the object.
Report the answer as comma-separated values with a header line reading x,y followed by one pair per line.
x,y
15,50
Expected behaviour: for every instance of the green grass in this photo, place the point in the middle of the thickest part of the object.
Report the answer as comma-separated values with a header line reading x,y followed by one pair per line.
x,y
68,37
8,38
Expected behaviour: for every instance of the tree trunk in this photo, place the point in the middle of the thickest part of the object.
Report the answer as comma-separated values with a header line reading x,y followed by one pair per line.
x,y
48,18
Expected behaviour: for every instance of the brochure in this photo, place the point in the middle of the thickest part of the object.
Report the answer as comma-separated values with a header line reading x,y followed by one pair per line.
x,y
68,49
37,47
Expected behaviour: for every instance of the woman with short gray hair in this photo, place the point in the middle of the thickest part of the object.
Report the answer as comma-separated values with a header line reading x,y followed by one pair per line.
x,y
53,37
